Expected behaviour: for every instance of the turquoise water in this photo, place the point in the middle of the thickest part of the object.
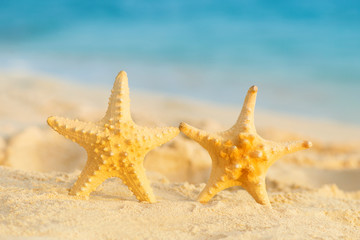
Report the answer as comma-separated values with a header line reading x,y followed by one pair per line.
x,y
303,55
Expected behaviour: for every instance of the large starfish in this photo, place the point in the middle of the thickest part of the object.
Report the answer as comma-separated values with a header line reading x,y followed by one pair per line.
x,y
240,157
115,145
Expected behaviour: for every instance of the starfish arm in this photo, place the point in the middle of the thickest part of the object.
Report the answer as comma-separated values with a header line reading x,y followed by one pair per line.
x,y
155,137
135,178
280,149
218,181
209,192
245,121
195,134
80,132
257,189
119,102
90,178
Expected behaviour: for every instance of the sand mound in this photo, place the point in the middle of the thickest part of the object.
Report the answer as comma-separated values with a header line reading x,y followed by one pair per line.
x,y
2,150
36,149
180,161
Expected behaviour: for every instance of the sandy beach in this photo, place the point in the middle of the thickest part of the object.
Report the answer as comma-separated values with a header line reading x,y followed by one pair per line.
x,y
315,193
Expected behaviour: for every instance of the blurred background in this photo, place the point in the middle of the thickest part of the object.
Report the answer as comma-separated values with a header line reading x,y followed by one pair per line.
x,y
303,55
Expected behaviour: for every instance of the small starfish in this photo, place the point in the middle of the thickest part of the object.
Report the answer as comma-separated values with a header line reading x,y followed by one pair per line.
x,y
240,157
115,145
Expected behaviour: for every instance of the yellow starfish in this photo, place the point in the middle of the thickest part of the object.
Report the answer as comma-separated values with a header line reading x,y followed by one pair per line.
x,y
240,157
115,145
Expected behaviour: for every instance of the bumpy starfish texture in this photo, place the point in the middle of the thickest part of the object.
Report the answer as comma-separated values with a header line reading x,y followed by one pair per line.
x,y
115,145
240,157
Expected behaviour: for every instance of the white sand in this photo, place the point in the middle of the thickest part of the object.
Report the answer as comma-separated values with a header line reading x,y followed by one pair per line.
x,y
315,194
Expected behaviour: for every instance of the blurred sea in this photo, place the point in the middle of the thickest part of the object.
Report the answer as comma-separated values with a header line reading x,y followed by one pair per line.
x,y
303,55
